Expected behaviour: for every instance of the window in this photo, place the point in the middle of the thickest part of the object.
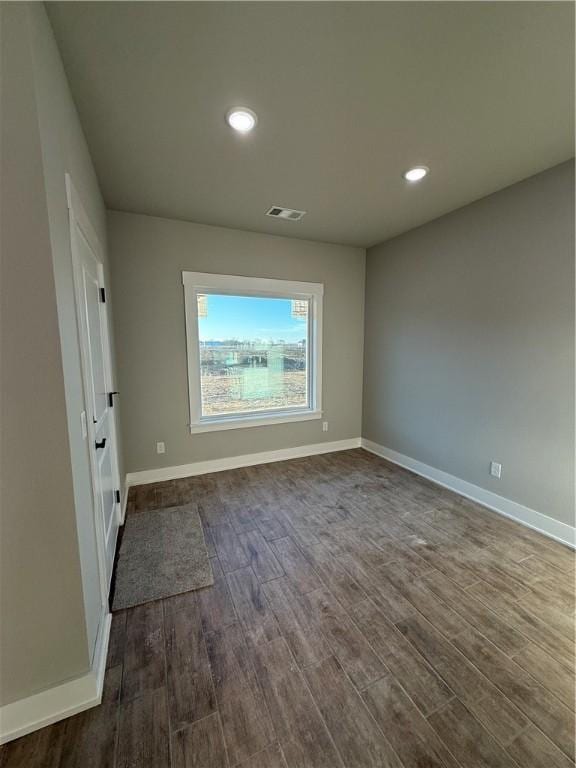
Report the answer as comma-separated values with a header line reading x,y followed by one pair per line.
x,y
254,350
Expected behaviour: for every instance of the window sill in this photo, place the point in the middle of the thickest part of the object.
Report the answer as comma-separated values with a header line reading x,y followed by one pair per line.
x,y
239,422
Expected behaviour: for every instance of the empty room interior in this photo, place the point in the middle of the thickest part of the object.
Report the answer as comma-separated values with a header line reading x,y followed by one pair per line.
x,y
287,385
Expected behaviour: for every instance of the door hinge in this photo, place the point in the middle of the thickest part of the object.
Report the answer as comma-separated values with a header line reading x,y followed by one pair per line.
x,y
117,494
103,295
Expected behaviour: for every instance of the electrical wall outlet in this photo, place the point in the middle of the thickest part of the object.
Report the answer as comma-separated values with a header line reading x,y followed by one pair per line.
x,y
324,426
160,448
496,469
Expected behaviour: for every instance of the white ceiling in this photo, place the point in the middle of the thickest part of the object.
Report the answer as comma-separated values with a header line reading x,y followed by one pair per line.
x,y
348,96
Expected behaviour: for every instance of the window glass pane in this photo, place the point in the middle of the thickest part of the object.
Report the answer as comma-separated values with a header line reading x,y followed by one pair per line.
x,y
253,353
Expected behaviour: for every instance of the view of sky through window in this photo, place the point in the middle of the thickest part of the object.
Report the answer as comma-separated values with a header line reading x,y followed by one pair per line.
x,y
253,353
249,318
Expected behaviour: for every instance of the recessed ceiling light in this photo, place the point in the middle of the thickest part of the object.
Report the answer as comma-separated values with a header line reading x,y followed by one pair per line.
x,y
417,173
241,119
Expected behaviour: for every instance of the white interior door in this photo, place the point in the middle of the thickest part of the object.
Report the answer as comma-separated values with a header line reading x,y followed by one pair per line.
x,y
98,387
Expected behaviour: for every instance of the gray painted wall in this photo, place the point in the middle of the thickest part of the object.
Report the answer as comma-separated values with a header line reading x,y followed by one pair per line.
x,y
64,150
43,634
147,257
469,343
51,603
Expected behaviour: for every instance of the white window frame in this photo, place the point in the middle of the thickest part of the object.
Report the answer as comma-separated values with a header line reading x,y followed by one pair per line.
x,y
234,285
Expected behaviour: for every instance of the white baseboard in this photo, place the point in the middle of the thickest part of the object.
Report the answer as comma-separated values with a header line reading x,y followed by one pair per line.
x,y
124,503
566,534
64,700
233,462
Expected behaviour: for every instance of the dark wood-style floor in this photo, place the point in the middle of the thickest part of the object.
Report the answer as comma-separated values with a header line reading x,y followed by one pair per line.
x,y
360,616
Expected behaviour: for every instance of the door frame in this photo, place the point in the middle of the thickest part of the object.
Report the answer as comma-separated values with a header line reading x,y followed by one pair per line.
x,y
79,218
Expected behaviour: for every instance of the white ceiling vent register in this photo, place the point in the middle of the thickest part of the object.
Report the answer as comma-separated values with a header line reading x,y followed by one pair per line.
x,y
277,212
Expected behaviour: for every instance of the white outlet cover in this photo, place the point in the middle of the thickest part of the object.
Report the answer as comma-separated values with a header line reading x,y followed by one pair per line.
x,y
324,426
160,448
496,469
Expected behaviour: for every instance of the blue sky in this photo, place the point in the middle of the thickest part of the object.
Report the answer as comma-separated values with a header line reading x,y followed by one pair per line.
x,y
248,317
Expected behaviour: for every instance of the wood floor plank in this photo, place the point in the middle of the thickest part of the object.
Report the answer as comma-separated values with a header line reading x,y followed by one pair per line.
x,y
231,553
560,592
303,636
476,613
492,570
245,720
560,620
535,701
499,716
145,497
412,738
271,527
339,540
200,745
562,557
541,569
384,594
558,595
299,727
215,602
454,517
347,642
426,689
465,737
463,677
358,739
424,546
514,570
242,516
549,672
397,552
90,737
364,549
516,550
189,488
531,749
458,673
426,602
271,757
189,678
333,574
393,526
144,658
260,556
300,533
117,640
258,620
517,616
143,738
210,548
39,749
295,565
168,494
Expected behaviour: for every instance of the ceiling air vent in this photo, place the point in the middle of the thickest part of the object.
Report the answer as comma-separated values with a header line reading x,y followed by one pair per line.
x,y
285,213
